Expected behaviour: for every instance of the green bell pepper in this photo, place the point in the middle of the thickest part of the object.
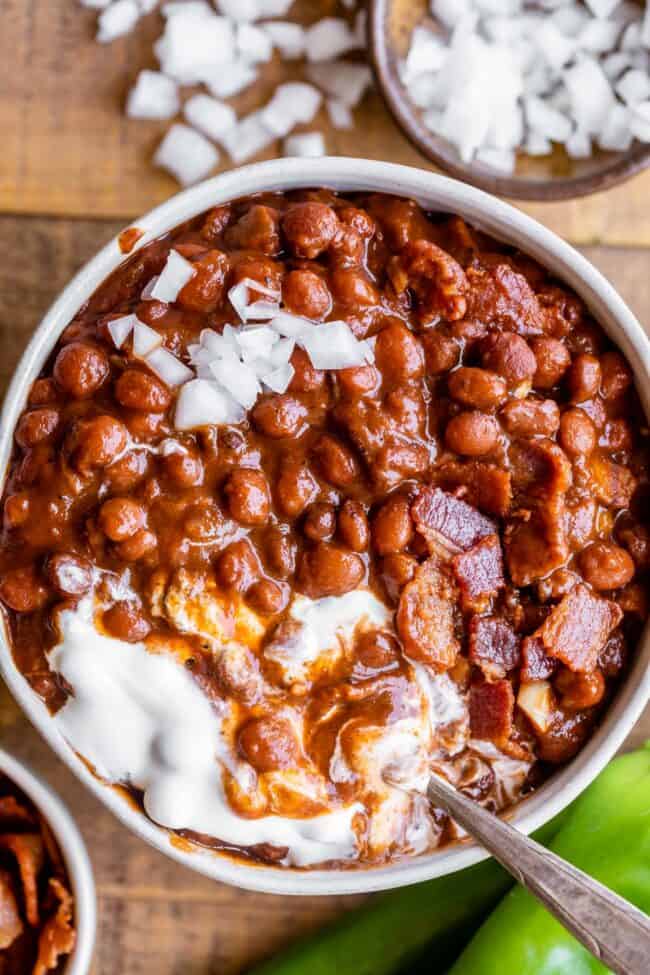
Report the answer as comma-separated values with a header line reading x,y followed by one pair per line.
x,y
606,834
393,929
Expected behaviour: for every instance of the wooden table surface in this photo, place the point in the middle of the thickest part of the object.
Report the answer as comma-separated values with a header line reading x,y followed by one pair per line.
x,y
73,171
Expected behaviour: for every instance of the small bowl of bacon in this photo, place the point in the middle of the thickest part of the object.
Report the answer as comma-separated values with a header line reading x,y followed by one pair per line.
x,y
47,893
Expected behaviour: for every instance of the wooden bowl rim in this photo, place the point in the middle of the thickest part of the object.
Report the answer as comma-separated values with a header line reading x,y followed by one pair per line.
x,y
616,170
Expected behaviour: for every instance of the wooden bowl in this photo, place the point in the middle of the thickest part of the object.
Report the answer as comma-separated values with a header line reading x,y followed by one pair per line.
x,y
544,178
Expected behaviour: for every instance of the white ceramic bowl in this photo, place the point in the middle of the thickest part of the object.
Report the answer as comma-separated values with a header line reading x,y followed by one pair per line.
x,y
71,844
496,218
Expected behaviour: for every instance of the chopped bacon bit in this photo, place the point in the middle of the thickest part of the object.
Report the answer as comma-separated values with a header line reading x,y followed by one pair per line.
x,y
13,812
535,662
486,486
11,925
29,853
479,573
537,545
57,936
540,468
578,627
491,708
493,645
425,617
128,238
444,519
613,484
500,295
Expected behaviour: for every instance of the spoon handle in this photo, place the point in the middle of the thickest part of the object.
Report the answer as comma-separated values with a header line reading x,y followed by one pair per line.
x,y
611,928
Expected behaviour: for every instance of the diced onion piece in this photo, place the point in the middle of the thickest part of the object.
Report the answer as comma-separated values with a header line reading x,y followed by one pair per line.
x,y
257,342
274,8
195,42
290,326
247,138
282,352
602,8
167,367
95,4
231,78
173,278
288,38
329,38
241,10
339,114
120,329
590,93
209,115
279,380
117,20
502,159
341,79
238,379
333,346
306,144
633,87
153,96
545,120
253,44
145,340
292,103
535,699
239,297
186,154
201,403
578,145
148,288
616,135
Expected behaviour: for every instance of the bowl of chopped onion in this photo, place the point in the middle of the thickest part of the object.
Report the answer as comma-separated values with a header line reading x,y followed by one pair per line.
x,y
530,99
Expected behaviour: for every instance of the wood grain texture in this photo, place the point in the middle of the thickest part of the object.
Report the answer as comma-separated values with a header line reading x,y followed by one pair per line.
x,y
156,916
68,150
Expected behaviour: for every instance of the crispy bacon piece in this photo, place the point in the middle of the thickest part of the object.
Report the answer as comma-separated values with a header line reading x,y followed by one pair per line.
x,y
29,853
577,629
13,812
491,708
537,545
479,573
435,278
540,469
57,935
500,295
613,484
425,617
493,645
11,925
535,662
485,486
447,521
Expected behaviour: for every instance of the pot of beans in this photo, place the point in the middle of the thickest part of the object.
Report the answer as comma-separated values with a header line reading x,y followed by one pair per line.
x,y
336,478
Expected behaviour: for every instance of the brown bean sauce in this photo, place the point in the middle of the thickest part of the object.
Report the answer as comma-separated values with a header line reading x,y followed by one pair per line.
x,y
486,477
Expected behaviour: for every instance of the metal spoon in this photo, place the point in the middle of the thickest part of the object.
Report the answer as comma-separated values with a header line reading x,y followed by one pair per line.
x,y
611,928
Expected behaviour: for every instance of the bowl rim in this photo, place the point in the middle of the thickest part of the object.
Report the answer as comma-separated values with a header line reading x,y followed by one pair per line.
x,y
74,852
502,221
617,166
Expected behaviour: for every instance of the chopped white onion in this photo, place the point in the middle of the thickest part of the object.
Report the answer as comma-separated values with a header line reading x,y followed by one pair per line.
x,y
167,367
230,78
339,114
287,38
239,297
241,10
120,329
146,294
333,346
290,326
257,342
293,103
202,403
186,154
279,379
209,115
341,79
253,44
117,20
238,379
281,352
247,138
633,87
306,144
329,38
145,340
154,95
194,43
173,278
